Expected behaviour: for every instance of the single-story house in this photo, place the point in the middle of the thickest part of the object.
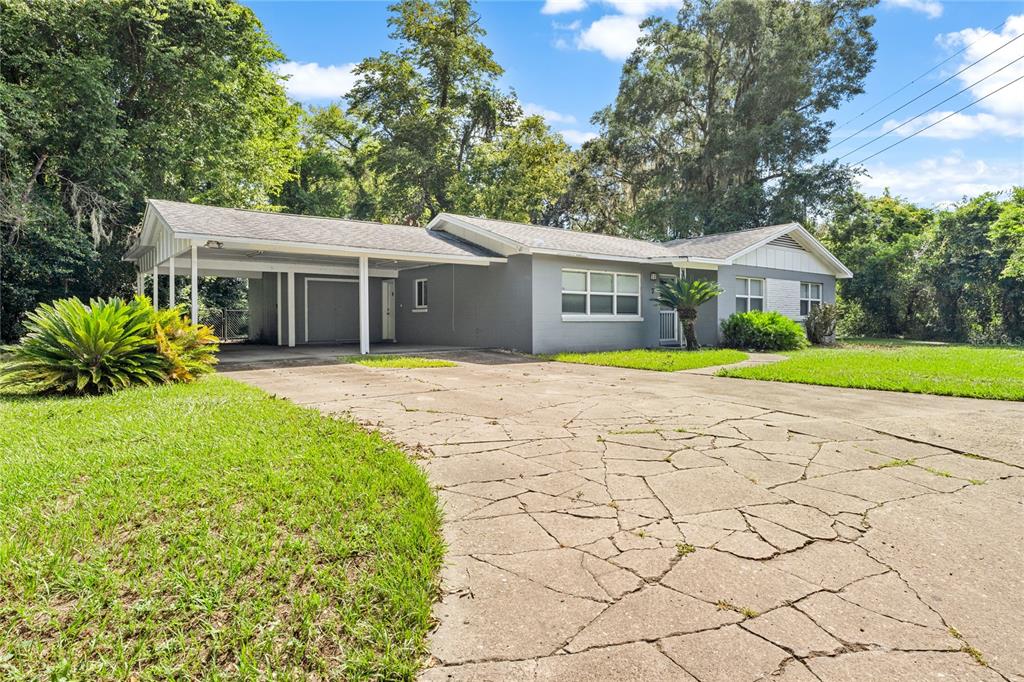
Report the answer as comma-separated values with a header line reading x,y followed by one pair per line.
x,y
475,282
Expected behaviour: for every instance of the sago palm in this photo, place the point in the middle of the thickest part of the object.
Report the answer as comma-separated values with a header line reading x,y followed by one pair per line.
x,y
76,348
685,296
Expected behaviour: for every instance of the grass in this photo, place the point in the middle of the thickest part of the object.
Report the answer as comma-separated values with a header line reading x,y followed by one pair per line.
x,y
208,531
399,362
659,360
954,370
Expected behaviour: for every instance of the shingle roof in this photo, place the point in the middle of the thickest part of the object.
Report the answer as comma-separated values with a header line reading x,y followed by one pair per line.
x,y
725,244
232,223
569,241
718,246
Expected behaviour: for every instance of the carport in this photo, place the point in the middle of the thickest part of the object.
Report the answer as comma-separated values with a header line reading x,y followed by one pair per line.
x,y
312,279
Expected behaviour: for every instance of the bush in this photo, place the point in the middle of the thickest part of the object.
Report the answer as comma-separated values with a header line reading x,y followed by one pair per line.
x,y
107,345
759,330
821,324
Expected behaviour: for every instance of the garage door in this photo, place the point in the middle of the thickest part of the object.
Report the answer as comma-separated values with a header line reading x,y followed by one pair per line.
x,y
332,310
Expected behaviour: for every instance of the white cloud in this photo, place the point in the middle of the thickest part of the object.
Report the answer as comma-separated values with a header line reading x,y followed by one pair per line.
x,y
642,8
577,137
941,180
562,6
1002,114
550,116
614,36
931,8
309,80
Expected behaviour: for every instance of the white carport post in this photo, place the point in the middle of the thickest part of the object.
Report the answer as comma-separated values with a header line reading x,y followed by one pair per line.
x,y
170,282
364,305
156,287
140,283
194,282
280,331
291,309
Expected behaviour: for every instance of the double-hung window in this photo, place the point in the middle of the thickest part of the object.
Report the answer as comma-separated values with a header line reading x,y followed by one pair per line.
x,y
749,294
421,295
587,293
810,297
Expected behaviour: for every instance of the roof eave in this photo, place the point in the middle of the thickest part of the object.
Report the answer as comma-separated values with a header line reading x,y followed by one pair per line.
x,y
327,250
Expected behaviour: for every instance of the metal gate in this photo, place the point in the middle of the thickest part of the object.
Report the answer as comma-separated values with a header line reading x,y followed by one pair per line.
x,y
668,326
228,324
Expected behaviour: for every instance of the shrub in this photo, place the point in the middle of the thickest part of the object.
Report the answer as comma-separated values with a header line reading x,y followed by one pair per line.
x,y
71,347
189,349
821,324
759,330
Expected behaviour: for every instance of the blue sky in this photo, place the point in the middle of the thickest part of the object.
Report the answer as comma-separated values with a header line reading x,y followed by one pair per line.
x,y
563,58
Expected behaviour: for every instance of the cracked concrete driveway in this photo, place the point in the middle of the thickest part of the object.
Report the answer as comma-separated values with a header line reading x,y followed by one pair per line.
x,y
617,524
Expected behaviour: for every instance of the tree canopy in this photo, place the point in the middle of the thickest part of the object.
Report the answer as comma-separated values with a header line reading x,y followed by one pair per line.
x,y
107,102
718,123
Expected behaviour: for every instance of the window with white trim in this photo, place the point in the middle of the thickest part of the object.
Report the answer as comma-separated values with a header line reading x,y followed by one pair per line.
x,y
810,297
421,295
597,294
749,294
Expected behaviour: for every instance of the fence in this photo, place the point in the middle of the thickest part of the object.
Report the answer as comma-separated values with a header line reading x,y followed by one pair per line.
x,y
228,324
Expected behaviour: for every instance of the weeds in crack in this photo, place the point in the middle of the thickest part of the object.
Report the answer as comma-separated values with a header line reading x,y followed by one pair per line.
x,y
937,472
684,548
975,481
895,463
967,648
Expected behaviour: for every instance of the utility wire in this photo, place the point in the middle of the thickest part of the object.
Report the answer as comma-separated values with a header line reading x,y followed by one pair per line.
x,y
931,89
907,85
932,108
918,132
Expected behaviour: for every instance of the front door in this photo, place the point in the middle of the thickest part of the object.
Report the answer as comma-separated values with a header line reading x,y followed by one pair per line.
x,y
388,310
668,320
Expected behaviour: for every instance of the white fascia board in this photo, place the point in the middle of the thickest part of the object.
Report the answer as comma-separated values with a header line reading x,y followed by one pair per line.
x,y
446,222
142,243
279,246
817,248
207,265
601,257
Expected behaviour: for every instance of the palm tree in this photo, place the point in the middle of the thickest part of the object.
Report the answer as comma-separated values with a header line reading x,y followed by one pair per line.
x,y
685,296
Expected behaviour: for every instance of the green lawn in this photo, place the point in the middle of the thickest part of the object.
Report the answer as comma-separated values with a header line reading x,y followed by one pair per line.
x,y
208,531
659,360
398,361
971,371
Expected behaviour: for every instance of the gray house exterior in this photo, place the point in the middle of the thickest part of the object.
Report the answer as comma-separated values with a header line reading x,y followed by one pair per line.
x,y
475,282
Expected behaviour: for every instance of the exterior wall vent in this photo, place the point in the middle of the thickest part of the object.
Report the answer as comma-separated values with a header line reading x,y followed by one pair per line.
x,y
787,242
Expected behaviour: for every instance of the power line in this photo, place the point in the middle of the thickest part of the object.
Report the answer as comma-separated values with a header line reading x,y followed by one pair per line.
x,y
918,132
932,108
907,85
931,89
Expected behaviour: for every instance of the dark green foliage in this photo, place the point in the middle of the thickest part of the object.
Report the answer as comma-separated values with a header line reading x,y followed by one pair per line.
x,y
821,323
759,330
78,349
936,274
719,120
104,103
73,348
685,297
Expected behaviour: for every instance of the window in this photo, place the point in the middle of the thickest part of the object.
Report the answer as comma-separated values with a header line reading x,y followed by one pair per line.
x,y
749,294
810,297
421,295
600,294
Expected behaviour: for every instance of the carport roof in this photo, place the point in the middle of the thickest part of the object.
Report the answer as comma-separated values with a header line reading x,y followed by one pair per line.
x,y
196,221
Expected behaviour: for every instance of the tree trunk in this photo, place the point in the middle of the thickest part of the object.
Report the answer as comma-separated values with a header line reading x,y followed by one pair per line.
x,y
690,333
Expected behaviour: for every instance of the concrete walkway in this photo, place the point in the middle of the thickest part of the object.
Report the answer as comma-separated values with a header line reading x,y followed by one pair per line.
x,y
609,524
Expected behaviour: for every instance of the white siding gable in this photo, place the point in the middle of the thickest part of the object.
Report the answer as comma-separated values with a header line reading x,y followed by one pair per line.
x,y
784,258
783,297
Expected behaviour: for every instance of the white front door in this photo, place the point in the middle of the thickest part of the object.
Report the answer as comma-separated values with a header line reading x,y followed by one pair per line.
x,y
388,310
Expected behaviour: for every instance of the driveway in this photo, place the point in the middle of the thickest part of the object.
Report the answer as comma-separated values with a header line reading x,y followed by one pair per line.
x,y
617,524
